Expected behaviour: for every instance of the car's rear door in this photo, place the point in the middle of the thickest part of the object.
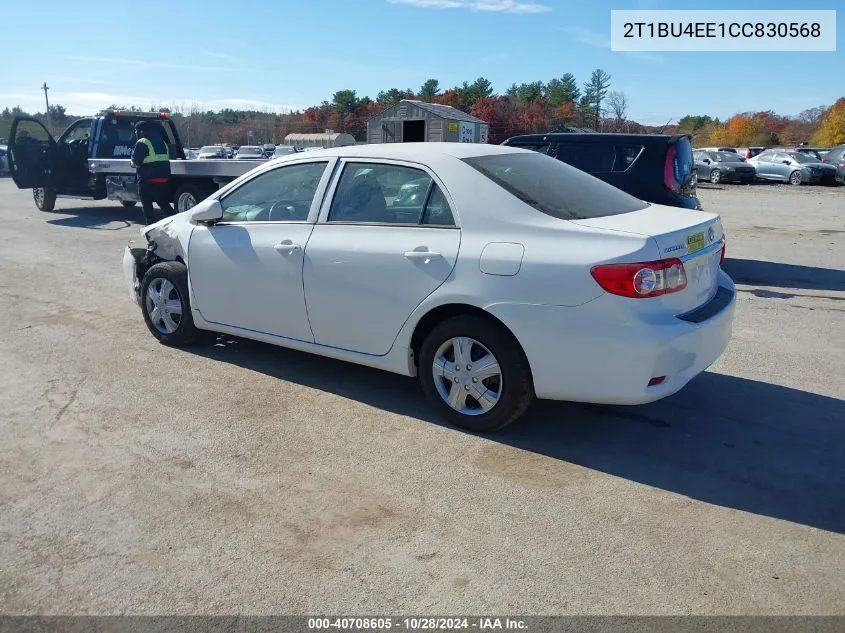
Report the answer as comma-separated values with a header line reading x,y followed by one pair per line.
x,y
370,263
32,154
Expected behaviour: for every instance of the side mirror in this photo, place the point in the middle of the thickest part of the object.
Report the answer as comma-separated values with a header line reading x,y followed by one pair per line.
x,y
208,211
706,161
786,162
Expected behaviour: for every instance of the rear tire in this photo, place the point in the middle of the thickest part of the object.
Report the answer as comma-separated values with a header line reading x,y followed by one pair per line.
x,y
166,305
795,178
511,388
128,203
187,196
715,176
45,198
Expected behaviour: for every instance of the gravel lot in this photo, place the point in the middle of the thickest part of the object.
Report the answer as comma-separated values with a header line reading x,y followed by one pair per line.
x,y
243,478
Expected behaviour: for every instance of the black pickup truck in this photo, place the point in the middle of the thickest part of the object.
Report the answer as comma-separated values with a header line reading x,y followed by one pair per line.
x,y
90,161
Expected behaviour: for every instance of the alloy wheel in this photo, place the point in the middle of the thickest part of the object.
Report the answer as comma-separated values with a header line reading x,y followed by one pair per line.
x,y
164,305
467,376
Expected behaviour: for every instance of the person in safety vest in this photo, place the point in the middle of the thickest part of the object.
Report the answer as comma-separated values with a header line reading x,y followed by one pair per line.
x,y
151,160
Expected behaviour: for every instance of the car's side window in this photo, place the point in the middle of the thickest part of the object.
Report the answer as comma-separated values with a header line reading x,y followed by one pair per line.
x,y
437,211
80,130
593,158
284,194
380,193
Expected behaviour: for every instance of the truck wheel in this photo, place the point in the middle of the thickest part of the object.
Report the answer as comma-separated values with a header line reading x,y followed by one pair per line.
x,y
45,198
128,203
186,197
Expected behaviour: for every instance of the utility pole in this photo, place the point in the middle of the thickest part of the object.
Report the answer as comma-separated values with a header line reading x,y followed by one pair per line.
x,y
45,88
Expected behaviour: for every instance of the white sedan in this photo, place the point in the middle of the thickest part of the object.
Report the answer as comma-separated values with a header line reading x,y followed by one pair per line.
x,y
514,276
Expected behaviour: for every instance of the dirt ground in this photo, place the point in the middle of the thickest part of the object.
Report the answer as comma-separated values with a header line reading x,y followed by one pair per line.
x,y
241,478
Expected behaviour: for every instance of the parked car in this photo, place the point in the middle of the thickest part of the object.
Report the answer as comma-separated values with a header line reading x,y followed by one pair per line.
x,y
749,152
723,167
653,167
211,152
250,152
717,149
268,149
793,167
191,153
812,152
836,158
617,301
284,150
4,162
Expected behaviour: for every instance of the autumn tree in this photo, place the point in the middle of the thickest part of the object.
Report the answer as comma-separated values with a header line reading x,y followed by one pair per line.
x,y
832,128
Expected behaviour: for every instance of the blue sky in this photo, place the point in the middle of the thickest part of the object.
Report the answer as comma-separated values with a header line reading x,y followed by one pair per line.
x,y
279,54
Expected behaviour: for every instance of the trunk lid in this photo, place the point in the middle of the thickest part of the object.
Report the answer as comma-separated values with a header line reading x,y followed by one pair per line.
x,y
694,237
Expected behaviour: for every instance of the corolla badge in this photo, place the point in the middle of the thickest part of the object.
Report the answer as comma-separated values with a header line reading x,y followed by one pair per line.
x,y
673,248
711,235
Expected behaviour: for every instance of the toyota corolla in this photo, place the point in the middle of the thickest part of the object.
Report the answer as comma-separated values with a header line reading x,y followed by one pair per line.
x,y
513,275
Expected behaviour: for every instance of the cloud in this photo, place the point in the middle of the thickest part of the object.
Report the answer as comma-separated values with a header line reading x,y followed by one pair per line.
x,y
492,6
591,38
140,63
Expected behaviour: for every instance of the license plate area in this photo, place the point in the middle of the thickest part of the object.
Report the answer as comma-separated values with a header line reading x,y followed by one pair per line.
x,y
696,242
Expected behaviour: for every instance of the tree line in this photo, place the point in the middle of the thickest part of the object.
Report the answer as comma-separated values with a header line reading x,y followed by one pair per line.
x,y
559,104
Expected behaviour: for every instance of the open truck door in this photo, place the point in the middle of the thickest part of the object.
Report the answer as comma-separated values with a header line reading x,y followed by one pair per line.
x,y
32,154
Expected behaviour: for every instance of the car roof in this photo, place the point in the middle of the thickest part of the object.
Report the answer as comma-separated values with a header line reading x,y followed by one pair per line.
x,y
418,151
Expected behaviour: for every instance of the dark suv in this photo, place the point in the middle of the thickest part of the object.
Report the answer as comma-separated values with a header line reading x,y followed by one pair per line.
x,y
656,168
836,157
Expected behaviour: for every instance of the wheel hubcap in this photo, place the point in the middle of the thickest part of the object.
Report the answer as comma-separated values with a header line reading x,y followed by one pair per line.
x,y
715,176
185,202
164,305
467,376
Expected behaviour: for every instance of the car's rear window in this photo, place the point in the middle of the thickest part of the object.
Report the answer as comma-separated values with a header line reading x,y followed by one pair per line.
x,y
553,187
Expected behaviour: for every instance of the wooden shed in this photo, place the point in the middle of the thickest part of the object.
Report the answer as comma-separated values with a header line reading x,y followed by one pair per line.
x,y
412,121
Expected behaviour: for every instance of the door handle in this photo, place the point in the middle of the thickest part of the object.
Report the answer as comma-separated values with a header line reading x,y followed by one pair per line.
x,y
287,246
418,253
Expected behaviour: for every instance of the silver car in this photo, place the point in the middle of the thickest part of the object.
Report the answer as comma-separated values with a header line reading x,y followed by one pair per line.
x,y
723,167
793,167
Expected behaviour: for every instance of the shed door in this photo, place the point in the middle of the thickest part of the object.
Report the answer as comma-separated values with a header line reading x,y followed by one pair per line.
x,y
391,132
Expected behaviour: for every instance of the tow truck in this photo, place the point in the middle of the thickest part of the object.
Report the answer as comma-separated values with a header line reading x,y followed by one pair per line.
x,y
90,161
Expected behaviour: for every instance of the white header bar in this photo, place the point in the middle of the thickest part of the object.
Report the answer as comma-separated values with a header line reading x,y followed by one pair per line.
x,y
713,30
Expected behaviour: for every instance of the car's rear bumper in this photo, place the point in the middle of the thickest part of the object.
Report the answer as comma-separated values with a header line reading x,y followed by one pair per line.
x,y
603,352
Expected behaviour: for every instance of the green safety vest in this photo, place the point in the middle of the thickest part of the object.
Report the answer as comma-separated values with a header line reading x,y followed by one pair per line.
x,y
152,157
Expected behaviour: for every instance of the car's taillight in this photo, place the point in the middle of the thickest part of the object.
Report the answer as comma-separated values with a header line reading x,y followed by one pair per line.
x,y
643,279
670,179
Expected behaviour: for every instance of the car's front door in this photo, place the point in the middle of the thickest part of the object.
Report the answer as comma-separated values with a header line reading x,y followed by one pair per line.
x,y
370,262
782,166
32,154
763,164
246,271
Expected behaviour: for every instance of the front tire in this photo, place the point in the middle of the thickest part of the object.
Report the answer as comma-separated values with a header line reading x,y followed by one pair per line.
x,y
45,198
475,374
715,176
795,178
166,306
